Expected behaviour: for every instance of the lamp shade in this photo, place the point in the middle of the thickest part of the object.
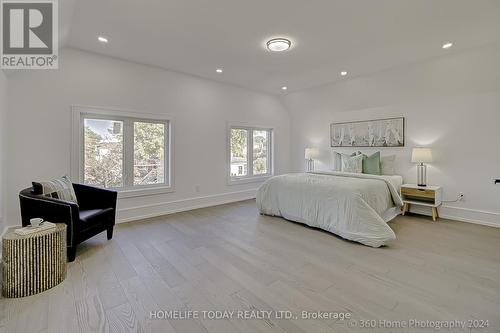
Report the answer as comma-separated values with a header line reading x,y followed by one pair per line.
x,y
421,155
311,153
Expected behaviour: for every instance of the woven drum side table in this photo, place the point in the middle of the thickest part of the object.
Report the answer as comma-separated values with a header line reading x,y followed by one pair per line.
x,y
33,263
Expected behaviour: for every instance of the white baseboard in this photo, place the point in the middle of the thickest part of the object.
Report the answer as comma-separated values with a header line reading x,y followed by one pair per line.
x,y
164,208
461,214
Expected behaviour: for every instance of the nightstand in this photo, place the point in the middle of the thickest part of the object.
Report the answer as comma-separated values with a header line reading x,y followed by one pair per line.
x,y
429,196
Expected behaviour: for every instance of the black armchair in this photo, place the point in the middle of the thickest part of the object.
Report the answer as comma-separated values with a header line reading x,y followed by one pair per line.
x,y
94,213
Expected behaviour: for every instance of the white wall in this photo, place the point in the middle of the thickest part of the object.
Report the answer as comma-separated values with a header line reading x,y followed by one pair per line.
x,y
40,131
451,103
3,137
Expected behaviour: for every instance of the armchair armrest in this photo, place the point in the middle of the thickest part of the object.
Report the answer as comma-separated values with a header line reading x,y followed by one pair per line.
x,y
49,209
90,197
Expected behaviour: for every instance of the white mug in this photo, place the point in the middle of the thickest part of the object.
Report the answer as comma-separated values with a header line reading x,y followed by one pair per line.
x,y
36,222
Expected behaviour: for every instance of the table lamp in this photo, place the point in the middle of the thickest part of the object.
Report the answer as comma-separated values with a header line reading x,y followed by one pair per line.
x,y
311,154
421,156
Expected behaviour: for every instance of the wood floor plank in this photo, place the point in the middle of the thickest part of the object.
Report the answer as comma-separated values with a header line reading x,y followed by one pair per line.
x,y
168,301
159,289
198,302
143,304
91,316
119,264
100,274
260,289
9,310
161,265
62,301
122,319
215,290
82,286
33,314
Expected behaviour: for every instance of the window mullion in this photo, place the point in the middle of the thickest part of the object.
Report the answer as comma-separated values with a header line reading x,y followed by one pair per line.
x,y
128,153
167,156
269,156
81,164
250,152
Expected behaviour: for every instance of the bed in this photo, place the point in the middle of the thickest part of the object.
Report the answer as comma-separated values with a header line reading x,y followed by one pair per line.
x,y
354,206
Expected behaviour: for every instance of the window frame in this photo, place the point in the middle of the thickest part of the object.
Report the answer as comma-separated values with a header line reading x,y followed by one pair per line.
x,y
250,177
80,113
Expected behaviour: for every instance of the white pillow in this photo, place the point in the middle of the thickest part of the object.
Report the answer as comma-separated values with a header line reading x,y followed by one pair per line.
x,y
337,159
352,164
387,165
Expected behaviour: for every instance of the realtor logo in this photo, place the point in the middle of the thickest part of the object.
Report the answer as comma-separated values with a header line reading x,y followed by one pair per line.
x,y
29,34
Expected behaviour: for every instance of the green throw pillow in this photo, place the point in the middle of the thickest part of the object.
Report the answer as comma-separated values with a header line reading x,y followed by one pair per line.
x,y
371,164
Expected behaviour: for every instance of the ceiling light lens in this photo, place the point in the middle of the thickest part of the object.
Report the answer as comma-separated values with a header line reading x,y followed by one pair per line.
x,y
219,70
102,39
278,44
284,88
447,45
343,73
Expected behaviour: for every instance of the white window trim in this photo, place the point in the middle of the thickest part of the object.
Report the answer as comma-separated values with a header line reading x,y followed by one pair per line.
x,y
249,178
79,112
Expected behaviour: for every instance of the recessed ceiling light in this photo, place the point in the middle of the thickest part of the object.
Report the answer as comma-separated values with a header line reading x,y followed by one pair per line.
x,y
343,73
284,88
278,44
447,45
102,39
219,70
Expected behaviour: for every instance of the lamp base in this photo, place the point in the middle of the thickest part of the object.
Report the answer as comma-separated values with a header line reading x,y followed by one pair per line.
x,y
310,165
421,174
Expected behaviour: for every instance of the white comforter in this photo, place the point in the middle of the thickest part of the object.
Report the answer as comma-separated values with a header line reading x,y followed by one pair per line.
x,y
353,206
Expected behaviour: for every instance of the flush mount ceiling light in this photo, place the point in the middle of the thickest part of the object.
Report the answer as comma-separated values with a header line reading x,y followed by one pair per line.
x,y
278,44
284,88
343,73
219,70
447,45
102,39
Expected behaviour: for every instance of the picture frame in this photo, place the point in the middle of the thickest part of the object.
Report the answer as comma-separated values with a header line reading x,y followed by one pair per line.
x,y
387,132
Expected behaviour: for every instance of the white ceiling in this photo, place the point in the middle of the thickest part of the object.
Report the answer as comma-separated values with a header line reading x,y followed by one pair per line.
x,y
359,36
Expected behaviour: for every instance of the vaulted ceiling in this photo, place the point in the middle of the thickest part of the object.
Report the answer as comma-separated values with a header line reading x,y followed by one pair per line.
x,y
328,36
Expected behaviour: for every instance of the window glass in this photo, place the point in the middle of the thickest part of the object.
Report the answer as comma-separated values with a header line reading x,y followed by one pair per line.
x,y
103,156
239,152
149,153
260,152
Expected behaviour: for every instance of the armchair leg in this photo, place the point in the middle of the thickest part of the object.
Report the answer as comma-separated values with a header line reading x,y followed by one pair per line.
x,y
109,232
71,253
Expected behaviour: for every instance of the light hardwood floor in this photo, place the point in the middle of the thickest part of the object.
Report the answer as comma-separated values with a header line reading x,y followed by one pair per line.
x,y
231,258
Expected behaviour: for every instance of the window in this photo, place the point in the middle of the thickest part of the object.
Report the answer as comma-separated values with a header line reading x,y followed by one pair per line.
x,y
125,151
249,153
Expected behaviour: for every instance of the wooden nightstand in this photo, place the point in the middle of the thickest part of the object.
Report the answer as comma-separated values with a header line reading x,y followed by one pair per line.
x,y
429,196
